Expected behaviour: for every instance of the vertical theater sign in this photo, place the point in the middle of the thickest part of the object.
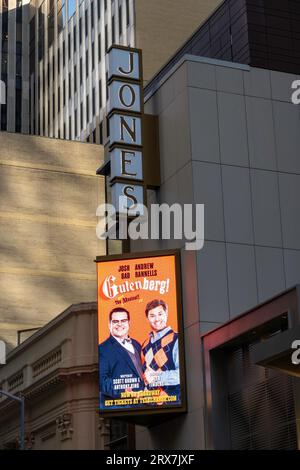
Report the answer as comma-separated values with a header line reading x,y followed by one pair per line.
x,y
124,114
140,332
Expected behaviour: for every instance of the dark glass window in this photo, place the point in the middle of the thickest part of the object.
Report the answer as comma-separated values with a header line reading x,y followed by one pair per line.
x,y
87,63
4,63
18,107
113,32
81,116
99,10
127,13
41,34
92,13
69,46
74,38
94,102
51,23
87,109
58,61
101,133
93,55
4,106
86,22
19,11
100,94
106,38
80,71
75,79
76,126
61,15
80,30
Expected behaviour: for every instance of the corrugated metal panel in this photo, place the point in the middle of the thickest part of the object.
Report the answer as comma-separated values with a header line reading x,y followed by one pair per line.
x,y
261,405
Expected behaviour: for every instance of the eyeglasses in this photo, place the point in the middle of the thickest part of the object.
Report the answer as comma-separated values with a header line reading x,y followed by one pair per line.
x,y
115,322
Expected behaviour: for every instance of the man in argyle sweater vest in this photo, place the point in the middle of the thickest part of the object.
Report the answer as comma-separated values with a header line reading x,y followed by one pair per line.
x,y
160,355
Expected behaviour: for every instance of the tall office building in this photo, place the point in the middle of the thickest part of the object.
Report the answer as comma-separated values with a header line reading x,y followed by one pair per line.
x,y
53,57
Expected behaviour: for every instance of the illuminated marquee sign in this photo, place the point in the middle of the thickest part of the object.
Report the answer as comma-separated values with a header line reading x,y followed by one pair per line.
x,y
124,108
140,333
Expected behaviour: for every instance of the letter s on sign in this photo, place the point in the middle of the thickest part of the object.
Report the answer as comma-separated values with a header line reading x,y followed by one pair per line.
x,y
296,354
296,94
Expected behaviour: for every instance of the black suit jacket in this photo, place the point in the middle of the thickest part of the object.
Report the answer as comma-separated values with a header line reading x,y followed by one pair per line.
x,y
114,361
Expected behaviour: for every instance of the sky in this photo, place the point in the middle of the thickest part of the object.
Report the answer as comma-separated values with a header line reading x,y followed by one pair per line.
x,y
72,7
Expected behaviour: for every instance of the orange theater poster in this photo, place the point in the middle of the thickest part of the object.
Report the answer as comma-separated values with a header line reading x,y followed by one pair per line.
x,y
139,331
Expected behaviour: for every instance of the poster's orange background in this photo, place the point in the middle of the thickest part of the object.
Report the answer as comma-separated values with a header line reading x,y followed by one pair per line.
x,y
139,325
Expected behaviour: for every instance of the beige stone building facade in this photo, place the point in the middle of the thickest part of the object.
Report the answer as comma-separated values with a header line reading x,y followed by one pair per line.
x,y
56,370
49,196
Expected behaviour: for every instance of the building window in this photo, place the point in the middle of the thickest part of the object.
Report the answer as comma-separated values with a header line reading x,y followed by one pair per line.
x,y
19,11
18,58
64,93
64,53
61,15
120,20
106,38
100,94
81,116
58,99
127,13
99,10
80,30
75,79
87,109
70,86
76,126
105,5
80,71
93,55
58,61
92,13
113,33
70,128
51,23
69,46
86,22
101,133
94,102
87,64
41,34
74,38
18,105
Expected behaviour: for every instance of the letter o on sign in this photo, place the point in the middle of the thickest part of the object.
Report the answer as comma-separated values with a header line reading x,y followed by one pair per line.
x,y
127,95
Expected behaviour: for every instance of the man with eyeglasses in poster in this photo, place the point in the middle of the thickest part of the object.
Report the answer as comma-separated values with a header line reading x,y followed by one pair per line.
x,y
120,361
